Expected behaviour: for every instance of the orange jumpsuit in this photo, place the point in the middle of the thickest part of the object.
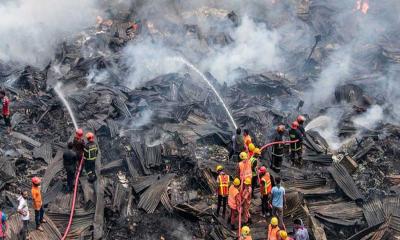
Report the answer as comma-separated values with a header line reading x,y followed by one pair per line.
x,y
246,198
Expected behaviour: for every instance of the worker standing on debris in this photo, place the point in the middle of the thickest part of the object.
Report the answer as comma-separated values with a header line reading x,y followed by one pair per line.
x,y
234,201
301,119
222,191
70,159
237,145
5,102
254,166
244,167
37,203
246,201
278,201
23,211
251,149
90,155
284,236
265,190
296,148
300,232
277,149
245,233
273,229
246,138
78,143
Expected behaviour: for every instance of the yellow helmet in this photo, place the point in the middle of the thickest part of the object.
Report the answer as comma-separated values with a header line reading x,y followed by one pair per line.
x,y
283,234
243,155
219,168
247,181
274,221
245,231
251,147
236,182
257,151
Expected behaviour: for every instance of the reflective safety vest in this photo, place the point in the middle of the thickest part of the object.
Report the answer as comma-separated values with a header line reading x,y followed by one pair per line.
x,y
223,181
233,192
265,185
245,169
90,152
273,233
296,146
247,140
253,169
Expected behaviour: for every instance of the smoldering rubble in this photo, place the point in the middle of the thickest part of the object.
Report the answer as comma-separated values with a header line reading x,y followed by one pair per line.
x,y
161,130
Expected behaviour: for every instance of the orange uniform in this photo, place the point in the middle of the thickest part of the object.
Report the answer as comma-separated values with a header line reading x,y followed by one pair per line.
x,y
245,169
273,233
234,202
37,198
246,198
247,140
223,184
246,238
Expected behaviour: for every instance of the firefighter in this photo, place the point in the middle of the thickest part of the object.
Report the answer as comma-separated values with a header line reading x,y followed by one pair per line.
x,y
296,148
254,165
244,167
90,155
234,201
70,159
37,203
237,145
277,149
5,102
222,191
246,138
301,119
265,190
273,229
78,143
245,233
246,201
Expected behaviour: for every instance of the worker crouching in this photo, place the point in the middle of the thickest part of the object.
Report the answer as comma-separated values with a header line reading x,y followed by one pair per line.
x,y
265,190
234,201
296,147
246,201
223,189
90,155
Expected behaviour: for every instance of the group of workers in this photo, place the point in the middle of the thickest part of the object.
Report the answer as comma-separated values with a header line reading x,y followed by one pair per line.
x,y
251,175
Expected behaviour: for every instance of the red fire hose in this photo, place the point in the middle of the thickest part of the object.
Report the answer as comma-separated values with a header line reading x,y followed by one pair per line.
x,y
71,216
241,181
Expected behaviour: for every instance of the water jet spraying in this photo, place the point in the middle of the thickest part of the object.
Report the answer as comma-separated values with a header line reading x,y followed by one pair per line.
x,y
57,89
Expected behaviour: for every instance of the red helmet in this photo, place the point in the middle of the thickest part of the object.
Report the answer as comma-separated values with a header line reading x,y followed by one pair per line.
x,y
295,125
262,170
36,180
301,119
79,133
90,136
280,128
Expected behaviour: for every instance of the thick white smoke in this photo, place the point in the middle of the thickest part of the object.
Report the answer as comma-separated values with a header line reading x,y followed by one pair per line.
x,y
30,30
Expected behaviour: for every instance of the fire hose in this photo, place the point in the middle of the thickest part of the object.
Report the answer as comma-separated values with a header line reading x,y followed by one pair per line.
x,y
241,182
71,216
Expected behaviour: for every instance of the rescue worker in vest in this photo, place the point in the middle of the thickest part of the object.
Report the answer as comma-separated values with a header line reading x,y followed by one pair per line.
x,y
273,230
5,102
90,155
234,201
244,167
78,143
251,149
265,190
301,119
222,191
246,138
296,148
246,201
70,159
277,149
284,236
37,203
245,233
3,226
254,165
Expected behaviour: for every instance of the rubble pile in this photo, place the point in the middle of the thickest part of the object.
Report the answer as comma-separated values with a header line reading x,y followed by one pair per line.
x,y
160,142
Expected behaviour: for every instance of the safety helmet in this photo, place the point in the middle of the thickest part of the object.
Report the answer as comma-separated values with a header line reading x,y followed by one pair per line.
x,y
301,119
36,180
236,182
90,136
251,147
257,151
243,155
79,132
280,128
219,168
245,231
262,170
295,125
274,221
247,181
283,234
